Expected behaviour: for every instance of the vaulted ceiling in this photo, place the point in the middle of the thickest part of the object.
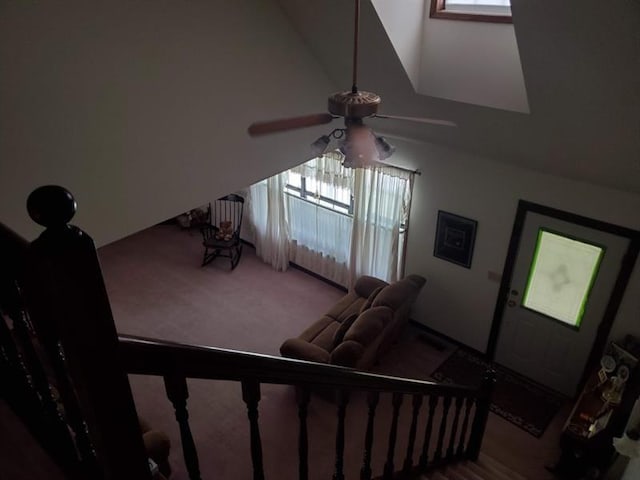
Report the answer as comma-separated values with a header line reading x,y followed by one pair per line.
x,y
581,65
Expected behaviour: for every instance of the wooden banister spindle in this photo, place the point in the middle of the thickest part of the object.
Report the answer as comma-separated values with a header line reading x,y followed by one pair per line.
x,y
372,401
393,433
446,405
483,404
408,461
465,426
424,457
343,400
454,429
303,398
251,396
28,392
178,393
73,413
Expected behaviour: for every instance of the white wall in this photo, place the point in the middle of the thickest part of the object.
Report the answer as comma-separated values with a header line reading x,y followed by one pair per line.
x,y
404,28
141,108
459,302
472,62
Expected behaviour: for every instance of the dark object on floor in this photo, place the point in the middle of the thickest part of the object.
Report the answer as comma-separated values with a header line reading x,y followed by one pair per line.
x,y
516,399
221,238
360,327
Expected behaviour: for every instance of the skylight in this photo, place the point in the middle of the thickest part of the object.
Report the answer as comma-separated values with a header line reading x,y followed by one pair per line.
x,y
489,7
472,10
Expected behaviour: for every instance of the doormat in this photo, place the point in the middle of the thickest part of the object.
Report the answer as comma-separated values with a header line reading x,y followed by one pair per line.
x,y
516,399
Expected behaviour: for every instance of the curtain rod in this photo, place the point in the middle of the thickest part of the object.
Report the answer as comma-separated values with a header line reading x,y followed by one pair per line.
x,y
416,172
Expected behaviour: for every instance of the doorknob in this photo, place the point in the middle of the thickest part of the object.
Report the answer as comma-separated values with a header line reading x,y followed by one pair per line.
x,y
514,293
511,303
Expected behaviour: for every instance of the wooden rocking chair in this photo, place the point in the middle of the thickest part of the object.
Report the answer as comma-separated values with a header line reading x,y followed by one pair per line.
x,y
221,238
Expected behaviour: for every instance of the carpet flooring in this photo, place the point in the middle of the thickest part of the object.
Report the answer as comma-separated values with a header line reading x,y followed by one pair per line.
x,y
516,399
158,289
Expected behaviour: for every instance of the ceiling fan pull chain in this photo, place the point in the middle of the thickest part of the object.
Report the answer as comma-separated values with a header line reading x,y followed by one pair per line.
x,y
356,34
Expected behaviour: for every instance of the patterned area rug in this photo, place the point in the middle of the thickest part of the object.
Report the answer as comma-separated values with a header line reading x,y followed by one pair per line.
x,y
521,402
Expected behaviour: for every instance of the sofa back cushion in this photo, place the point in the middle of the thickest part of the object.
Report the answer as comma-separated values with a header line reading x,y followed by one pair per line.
x,y
342,329
345,307
405,290
365,285
369,325
369,301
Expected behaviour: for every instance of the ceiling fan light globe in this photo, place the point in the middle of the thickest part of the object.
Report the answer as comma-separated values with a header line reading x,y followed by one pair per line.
x,y
319,147
385,149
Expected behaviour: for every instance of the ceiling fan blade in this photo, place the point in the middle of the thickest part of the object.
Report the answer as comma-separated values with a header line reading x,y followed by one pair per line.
x,y
432,121
280,125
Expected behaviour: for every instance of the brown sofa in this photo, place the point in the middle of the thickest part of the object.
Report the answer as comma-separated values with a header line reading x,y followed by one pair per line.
x,y
360,327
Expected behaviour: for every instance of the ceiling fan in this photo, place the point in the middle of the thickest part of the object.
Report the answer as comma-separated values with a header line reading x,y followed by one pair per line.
x,y
360,145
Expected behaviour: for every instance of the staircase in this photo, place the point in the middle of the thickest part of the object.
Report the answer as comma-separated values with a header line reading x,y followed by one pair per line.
x,y
54,307
485,468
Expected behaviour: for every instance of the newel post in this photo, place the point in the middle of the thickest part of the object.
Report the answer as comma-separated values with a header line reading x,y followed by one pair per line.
x,y
483,403
68,304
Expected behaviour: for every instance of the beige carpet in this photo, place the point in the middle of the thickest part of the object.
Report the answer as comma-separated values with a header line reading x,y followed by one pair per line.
x,y
158,289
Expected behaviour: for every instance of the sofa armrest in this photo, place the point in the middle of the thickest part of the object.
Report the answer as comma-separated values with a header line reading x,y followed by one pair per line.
x,y
347,354
303,350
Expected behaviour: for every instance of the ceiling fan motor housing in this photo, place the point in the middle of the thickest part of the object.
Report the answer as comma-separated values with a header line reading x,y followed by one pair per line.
x,y
358,105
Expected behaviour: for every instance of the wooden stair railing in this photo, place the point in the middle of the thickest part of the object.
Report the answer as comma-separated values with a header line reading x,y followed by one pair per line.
x,y
59,364
59,347
145,356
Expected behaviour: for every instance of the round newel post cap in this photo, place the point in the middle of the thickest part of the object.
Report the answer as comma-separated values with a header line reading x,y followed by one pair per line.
x,y
51,206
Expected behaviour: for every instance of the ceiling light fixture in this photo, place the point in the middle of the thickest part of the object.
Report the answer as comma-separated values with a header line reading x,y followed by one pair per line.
x,y
358,143
385,149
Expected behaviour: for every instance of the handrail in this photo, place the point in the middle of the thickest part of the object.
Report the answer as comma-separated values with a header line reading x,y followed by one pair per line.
x,y
148,356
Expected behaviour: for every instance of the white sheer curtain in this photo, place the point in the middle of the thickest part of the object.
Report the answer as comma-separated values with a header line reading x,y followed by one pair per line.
x,y
382,199
269,217
321,235
338,222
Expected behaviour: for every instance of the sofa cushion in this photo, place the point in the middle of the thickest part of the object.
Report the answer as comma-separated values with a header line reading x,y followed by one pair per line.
x,y
313,330
302,350
369,325
346,306
347,354
342,329
367,304
324,339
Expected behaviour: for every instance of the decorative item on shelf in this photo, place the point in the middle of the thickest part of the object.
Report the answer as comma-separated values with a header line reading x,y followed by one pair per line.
x,y
608,364
613,393
625,353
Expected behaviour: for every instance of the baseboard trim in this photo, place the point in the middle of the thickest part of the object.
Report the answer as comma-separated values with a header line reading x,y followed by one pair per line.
x,y
318,277
447,338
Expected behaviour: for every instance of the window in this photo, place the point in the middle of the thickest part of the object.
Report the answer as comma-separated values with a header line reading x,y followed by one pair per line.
x,y
561,276
335,221
323,194
497,11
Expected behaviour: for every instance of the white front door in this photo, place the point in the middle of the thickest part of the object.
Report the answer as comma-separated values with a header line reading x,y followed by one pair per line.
x,y
562,280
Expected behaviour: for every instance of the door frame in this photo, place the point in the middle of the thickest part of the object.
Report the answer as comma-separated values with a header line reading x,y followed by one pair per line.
x,y
617,294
